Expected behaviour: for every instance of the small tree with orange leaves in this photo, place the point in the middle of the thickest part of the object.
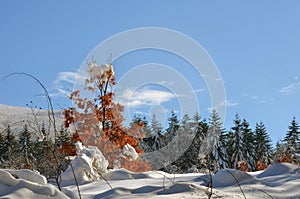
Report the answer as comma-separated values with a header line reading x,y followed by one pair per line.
x,y
285,158
260,165
99,121
243,166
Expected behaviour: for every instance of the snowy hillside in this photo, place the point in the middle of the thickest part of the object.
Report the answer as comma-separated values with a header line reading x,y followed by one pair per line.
x,y
278,181
17,117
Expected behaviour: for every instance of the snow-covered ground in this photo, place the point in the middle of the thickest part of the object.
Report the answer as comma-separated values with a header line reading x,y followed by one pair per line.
x,y
278,181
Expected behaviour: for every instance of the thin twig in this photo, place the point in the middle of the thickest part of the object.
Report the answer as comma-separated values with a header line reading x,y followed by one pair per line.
x,y
46,94
237,183
75,178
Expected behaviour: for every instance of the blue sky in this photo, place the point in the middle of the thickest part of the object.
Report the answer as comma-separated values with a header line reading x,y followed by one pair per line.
x,y
256,47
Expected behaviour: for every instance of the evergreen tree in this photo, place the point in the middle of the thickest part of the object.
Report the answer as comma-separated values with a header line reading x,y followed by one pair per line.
x,y
10,147
156,127
139,120
262,144
183,142
216,137
248,140
186,123
1,147
292,140
280,152
192,160
25,144
63,137
237,143
155,140
229,149
171,131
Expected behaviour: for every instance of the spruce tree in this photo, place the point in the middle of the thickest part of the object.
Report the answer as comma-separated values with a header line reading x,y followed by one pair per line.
x,y
238,145
63,137
171,131
279,152
186,123
216,137
192,160
248,140
139,120
262,144
10,147
157,140
1,147
25,144
292,140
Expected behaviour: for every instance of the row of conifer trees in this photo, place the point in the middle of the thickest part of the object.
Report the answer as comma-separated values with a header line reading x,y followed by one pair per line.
x,y
240,147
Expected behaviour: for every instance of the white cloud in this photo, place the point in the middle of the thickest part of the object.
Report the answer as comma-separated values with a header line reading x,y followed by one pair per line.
x,y
290,89
228,103
199,90
62,83
69,77
144,97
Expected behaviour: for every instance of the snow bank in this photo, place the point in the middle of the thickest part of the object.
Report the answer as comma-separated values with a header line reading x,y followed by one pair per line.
x,y
157,184
29,175
280,169
88,166
123,174
26,184
231,177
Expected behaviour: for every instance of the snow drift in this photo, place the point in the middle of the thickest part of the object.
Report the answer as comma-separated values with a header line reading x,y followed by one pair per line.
x,y
231,177
280,169
26,184
277,181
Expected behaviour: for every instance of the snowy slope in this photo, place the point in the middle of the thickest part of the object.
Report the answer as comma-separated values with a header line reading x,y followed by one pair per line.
x,y
17,117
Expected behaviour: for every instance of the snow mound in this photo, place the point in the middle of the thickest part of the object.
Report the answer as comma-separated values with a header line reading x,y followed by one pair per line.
x,y
88,166
175,191
177,188
123,174
29,175
118,192
280,169
23,187
231,177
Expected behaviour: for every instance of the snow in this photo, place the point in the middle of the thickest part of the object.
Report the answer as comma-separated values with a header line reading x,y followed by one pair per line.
x,y
88,166
278,181
26,184
129,152
103,72
280,169
33,176
230,177
281,180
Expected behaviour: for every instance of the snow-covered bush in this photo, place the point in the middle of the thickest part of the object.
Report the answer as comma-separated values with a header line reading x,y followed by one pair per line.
x,y
89,165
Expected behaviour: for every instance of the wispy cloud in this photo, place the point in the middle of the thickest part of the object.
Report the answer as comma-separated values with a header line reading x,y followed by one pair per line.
x,y
228,103
64,82
69,77
290,89
199,90
144,97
